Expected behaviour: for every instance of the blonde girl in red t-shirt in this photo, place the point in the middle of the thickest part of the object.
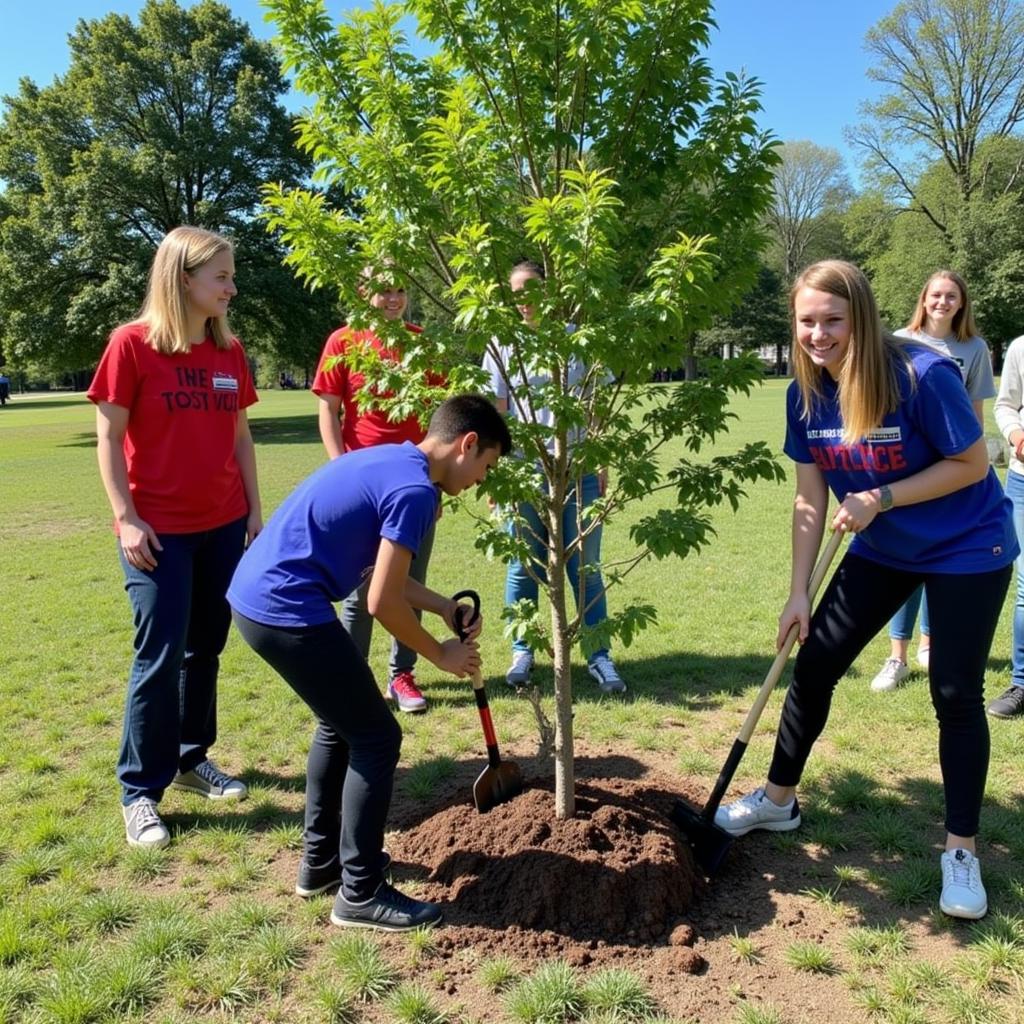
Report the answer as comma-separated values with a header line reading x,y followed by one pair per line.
x,y
179,469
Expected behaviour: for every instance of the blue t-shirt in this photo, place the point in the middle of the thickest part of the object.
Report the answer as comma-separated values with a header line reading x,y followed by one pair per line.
x,y
968,531
322,541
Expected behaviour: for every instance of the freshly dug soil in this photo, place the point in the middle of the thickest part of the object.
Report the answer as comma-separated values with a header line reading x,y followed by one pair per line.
x,y
617,874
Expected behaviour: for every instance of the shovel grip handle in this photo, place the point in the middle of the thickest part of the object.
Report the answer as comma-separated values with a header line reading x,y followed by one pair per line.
x,y
813,585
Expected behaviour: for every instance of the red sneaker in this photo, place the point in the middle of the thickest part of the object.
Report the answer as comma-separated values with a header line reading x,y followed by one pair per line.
x,y
406,694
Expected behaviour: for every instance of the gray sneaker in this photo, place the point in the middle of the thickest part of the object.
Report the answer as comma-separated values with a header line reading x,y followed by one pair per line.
x,y
209,781
602,668
142,825
387,910
518,674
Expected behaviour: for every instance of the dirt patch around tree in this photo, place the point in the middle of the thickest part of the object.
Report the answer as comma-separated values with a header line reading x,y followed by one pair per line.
x,y
617,886
616,874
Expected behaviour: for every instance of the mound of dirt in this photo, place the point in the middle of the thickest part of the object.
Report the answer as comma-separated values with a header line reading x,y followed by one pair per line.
x,y
618,873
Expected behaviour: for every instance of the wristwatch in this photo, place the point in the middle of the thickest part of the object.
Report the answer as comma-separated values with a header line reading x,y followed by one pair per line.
x,y
884,498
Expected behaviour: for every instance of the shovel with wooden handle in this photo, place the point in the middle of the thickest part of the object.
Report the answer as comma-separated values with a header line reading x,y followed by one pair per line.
x,y
501,780
710,842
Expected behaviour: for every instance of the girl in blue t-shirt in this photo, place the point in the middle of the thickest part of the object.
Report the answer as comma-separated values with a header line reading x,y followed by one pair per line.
x,y
890,430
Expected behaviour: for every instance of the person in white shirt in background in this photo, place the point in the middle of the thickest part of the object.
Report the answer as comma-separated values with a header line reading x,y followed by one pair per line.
x,y
1008,411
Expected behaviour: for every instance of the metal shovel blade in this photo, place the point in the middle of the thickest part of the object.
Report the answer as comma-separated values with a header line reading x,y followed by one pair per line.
x,y
494,786
709,843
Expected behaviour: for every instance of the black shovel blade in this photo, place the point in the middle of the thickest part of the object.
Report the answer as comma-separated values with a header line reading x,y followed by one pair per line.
x,y
497,785
709,843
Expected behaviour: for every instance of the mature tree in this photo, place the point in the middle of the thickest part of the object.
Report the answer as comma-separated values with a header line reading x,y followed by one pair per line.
x,y
809,182
592,137
174,119
953,75
760,320
984,241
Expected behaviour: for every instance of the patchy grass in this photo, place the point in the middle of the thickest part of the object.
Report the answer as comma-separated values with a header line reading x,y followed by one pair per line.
x,y
209,930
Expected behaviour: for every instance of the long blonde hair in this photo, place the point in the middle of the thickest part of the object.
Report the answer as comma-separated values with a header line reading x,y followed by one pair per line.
x,y
868,380
963,320
165,310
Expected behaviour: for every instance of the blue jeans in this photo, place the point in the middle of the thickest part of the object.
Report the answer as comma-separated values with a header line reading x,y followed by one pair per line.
x,y
1015,492
181,626
358,621
901,625
520,586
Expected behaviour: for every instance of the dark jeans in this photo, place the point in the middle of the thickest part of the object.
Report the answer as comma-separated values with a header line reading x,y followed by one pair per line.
x,y
858,602
350,771
356,618
181,626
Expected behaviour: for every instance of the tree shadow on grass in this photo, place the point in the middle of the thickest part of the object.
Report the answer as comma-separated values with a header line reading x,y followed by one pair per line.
x,y
286,429
16,402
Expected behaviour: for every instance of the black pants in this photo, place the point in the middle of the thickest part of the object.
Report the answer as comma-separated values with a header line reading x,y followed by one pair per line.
x,y
860,599
350,770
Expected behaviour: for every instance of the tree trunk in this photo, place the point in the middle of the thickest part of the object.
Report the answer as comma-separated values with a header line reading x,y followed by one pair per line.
x,y
565,777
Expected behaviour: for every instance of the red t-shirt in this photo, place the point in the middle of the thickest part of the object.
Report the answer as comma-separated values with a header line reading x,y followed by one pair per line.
x,y
180,441
364,429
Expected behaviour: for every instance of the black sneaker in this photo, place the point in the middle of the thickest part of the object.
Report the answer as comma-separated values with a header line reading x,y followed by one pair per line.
x,y
387,910
313,881
1009,704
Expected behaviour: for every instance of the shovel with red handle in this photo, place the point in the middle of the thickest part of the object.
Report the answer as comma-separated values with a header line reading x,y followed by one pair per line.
x,y
500,780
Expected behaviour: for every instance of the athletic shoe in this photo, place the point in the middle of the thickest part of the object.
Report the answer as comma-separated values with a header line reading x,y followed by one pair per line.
x,y
209,781
142,825
922,657
518,674
387,910
406,694
313,881
602,668
1009,705
755,810
891,674
963,895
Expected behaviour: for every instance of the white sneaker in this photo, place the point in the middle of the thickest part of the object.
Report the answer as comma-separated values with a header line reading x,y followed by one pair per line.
x,y
922,657
891,674
518,674
142,825
963,895
755,810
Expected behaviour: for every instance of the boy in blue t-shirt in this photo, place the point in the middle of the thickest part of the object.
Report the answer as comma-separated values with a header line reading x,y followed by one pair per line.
x,y
361,515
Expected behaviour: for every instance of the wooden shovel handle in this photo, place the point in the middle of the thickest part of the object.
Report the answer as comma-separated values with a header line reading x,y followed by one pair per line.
x,y
813,585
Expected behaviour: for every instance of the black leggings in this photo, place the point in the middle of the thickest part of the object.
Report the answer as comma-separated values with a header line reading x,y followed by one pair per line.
x,y
350,770
861,597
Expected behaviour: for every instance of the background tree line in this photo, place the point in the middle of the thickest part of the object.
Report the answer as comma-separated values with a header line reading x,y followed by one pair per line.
x,y
177,118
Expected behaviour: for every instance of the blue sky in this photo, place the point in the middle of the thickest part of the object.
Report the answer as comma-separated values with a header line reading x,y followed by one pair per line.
x,y
808,53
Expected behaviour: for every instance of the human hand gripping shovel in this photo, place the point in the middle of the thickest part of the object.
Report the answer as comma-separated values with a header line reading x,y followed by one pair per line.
x,y
709,842
501,780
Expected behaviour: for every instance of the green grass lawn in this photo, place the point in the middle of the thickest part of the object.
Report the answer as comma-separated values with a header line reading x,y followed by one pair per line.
x,y
91,930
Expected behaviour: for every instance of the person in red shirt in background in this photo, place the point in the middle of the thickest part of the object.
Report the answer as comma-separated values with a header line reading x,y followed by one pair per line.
x,y
345,428
179,469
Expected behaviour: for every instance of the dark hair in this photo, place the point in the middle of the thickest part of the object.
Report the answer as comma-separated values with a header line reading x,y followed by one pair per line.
x,y
530,266
464,413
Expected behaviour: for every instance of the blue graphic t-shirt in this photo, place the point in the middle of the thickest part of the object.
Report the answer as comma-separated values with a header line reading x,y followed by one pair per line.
x,y
322,541
968,531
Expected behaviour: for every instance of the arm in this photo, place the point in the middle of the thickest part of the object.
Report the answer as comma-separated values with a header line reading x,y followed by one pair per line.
x,y
949,474
329,421
979,410
388,601
138,538
245,456
809,509
1010,398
